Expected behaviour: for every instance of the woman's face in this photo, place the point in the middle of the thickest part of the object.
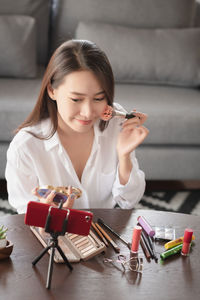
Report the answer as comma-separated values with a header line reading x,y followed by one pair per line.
x,y
80,101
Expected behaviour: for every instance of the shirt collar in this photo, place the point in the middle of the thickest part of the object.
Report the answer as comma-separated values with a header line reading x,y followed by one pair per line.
x,y
97,132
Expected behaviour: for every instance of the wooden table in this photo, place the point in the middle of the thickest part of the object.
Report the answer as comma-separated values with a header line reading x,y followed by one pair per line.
x,y
177,278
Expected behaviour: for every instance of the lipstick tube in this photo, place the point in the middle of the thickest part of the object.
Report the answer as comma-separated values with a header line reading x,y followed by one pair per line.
x,y
187,241
135,246
136,239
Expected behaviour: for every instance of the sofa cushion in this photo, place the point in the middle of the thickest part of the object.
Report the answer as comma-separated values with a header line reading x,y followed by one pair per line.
x,y
173,112
197,14
17,99
137,13
161,56
17,47
165,162
40,11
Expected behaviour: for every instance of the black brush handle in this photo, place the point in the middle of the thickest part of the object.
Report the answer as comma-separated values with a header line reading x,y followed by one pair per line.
x,y
130,116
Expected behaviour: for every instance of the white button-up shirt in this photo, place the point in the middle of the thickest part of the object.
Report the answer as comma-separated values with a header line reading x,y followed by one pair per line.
x,y
32,162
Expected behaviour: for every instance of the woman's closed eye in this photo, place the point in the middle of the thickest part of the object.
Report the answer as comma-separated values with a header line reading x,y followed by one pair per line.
x,y
95,99
99,99
76,99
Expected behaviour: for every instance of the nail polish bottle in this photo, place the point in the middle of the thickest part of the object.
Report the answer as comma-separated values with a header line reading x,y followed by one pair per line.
x,y
187,241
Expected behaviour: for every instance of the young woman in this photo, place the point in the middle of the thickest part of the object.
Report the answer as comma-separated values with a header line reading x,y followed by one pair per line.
x,y
64,142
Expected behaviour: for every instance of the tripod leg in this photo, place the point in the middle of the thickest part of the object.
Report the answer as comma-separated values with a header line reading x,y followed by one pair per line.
x,y
64,258
50,268
40,255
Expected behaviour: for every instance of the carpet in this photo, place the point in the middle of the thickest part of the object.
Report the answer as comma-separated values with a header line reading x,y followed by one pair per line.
x,y
187,202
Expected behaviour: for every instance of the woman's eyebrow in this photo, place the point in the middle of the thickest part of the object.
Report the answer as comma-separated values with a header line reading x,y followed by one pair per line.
x,y
82,94
99,93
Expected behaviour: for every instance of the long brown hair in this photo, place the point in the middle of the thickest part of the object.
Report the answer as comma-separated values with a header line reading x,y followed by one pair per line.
x,y
73,55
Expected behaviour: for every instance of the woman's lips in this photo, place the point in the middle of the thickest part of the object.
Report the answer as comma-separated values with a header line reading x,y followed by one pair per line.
x,y
84,122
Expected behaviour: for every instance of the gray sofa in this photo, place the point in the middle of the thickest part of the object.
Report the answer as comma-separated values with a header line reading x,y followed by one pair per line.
x,y
154,48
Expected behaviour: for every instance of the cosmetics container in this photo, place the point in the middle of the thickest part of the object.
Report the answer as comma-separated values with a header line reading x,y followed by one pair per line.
x,y
135,246
187,241
110,112
171,252
136,239
176,242
145,225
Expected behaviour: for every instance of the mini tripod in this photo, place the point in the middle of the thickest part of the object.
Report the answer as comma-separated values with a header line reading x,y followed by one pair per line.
x,y
53,244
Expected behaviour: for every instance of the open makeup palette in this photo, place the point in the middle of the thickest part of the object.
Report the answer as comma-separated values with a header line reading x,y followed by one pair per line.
x,y
75,247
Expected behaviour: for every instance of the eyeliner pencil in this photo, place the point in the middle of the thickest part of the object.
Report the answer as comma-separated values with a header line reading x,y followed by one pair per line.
x,y
147,244
113,244
99,234
152,247
144,248
115,233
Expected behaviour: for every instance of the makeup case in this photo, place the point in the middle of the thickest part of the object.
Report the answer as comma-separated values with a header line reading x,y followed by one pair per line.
x,y
75,247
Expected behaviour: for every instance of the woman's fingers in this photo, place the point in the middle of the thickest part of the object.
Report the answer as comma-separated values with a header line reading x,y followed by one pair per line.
x,y
48,199
70,200
138,120
141,116
143,131
34,191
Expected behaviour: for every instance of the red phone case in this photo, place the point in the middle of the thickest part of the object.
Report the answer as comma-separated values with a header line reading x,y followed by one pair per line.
x,y
79,221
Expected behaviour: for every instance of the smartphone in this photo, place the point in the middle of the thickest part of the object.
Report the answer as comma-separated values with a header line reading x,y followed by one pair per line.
x,y
79,221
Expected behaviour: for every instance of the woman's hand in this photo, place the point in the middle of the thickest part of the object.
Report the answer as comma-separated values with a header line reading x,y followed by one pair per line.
x,y
70,201
49,199
132,134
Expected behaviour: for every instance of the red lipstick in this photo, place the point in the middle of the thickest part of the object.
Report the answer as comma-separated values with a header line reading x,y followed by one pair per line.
x,y
187,239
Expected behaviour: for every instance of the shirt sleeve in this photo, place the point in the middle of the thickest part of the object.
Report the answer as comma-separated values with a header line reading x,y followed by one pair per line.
x,y
128,195
20,180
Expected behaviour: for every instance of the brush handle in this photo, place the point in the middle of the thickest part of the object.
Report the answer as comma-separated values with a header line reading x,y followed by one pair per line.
x,y
114,245
113,232
130,116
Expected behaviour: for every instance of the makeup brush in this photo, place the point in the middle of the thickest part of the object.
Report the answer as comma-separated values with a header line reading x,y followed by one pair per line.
x,y
109,113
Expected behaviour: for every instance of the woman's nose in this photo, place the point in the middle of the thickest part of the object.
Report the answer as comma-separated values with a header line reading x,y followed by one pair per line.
x,y
86,110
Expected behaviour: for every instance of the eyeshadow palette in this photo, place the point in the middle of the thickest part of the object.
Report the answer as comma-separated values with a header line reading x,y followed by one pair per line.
x,y
75,247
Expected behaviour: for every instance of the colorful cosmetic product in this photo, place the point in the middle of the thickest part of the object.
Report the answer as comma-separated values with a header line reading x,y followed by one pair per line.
x,y
187,241
145,225
176,242
171,252
109,113
136,239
